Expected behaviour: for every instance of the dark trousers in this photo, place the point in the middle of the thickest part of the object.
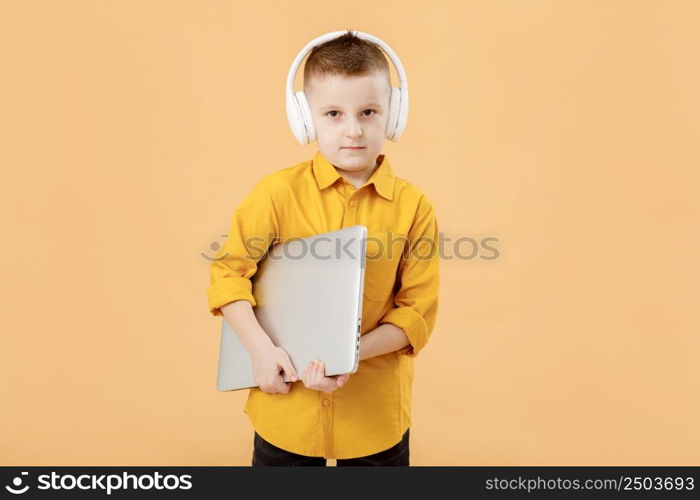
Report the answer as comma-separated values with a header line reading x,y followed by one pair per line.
x,y
266,454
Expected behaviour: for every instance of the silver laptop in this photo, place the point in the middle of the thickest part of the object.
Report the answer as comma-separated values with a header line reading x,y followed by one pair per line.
x,y
309,301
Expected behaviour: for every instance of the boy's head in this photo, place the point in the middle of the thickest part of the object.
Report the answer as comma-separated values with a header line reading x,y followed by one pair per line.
x,y
348,85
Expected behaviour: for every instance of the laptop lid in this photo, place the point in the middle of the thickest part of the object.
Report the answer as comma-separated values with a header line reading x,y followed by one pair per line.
x,y
309,301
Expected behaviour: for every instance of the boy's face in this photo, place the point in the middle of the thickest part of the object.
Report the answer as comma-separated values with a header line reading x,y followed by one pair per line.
x,y
350,111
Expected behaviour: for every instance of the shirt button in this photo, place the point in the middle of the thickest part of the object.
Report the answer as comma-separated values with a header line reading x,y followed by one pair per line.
x,y
326,402
353,203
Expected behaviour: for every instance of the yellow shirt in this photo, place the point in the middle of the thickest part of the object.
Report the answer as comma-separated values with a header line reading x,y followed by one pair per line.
x,y
372,410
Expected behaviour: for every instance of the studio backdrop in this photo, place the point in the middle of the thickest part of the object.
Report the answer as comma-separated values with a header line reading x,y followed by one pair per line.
x,y
557,140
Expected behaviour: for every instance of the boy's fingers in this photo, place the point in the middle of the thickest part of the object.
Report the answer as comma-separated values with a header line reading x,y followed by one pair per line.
x,y
317,379
289,368
324,386
281,386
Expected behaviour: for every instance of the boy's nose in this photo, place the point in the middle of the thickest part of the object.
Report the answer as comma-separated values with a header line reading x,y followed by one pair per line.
x,y
354,129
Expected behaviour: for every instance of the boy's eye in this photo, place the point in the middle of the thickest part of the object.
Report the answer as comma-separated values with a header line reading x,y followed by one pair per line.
x,y
334,111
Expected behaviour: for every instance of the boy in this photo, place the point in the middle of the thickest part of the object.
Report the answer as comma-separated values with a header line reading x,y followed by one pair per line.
x,y
362,419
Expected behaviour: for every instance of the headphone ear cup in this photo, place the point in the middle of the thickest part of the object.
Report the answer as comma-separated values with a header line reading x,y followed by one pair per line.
x,y
394,104
310,130
295,119
402,115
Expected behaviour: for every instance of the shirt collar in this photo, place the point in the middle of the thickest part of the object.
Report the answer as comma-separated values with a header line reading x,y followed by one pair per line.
x,y
383,176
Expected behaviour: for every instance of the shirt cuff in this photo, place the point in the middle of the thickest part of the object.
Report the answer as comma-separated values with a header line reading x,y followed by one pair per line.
x,y
413,324
228,290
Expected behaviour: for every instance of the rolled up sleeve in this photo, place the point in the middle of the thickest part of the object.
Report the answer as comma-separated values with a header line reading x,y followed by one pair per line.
x,y
254,227
416,301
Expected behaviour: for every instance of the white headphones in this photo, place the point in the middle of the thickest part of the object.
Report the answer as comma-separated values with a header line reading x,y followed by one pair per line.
x,y
299,112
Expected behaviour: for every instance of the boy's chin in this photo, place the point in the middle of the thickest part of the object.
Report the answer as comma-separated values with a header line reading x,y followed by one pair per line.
x,y
354,167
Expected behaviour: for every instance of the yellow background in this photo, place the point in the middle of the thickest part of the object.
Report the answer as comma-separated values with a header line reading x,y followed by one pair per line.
x,y
130,131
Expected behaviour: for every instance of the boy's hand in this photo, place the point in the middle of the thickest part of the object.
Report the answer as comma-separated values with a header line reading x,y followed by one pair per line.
x,y
314,378
267,364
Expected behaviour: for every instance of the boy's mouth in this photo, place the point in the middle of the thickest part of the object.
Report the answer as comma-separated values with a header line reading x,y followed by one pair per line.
x,y
353,147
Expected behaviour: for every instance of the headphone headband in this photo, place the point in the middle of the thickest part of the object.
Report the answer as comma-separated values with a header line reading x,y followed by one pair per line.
x,y
298,109
403,82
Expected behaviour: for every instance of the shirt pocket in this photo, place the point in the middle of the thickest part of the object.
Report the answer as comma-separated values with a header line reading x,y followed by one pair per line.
x,y
381,264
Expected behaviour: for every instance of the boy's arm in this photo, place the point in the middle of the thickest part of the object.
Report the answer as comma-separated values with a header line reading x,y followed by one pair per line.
x,y
416,300
230,294
241,317
253,229
382,340
268,360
